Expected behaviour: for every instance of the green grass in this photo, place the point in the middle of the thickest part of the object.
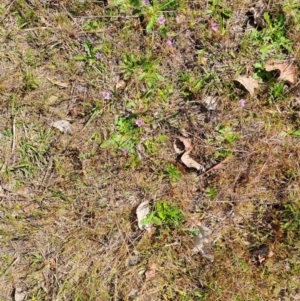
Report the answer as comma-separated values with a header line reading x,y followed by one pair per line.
x,y
130,76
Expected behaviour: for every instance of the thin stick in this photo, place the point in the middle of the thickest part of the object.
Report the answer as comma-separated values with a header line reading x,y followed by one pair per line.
x,y
14,135
216,166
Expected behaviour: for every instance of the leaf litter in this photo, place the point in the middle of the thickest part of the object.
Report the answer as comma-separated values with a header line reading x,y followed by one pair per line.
x,y
288,72
150,273
184,146
249,83
142,211
201,239
63,125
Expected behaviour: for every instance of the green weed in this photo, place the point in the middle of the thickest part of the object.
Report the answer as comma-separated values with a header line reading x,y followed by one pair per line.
x,y
92,54
172,173
227,134
271,39
211,192
126,137
163,214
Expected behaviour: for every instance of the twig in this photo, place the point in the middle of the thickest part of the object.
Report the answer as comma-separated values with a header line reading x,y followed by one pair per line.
x,y
216,166
14,135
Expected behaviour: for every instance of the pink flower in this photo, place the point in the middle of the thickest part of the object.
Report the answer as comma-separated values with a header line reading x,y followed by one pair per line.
x,y
242,102
106,95
98,55
161,20
169,43
139,123
125,150
214,26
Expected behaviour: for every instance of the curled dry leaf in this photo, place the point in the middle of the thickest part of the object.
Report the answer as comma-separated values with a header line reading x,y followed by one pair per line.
x,y
150,273
248,82
183,146
189,162
141,211
63,125
58,83
288,72
201,239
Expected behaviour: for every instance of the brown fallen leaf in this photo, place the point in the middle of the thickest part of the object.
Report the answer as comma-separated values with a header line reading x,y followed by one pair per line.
x,y
183,146
142,211
63,125
202,238
150,273
19,293
288,72
120,85
210,103
248,82
189,162
58,83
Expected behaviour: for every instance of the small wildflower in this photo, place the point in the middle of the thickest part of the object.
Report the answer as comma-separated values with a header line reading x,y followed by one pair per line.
x,y
146,2
242,102
125,150
139,123
214,26
169,43
106,95
161,20
98,55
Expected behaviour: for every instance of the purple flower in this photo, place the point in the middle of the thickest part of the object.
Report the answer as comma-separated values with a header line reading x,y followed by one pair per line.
x,y
139,123
146,2
242,102
125,150
98,55
169,43
161,20
214,26
106,95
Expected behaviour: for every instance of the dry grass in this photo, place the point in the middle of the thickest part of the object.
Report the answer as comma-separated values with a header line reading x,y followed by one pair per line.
x,y
67,203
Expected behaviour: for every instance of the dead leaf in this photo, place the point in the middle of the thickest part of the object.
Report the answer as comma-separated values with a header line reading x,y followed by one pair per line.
x,y
248,82
120,85
63,125
19,294
189,162
201,239
150,273
288,72
210,102
258,11
183,146
58,83
142,211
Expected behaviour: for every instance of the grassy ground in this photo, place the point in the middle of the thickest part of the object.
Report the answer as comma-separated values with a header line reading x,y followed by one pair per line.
x,y
129,77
